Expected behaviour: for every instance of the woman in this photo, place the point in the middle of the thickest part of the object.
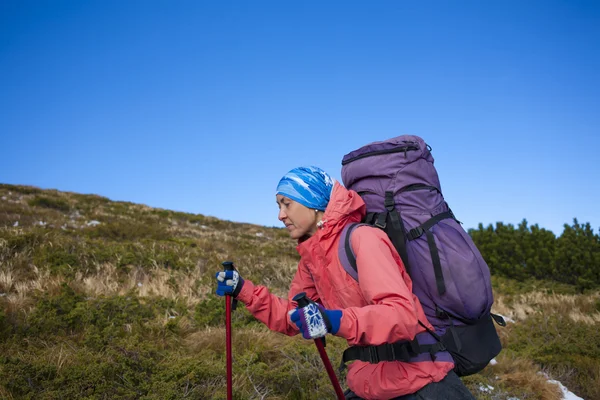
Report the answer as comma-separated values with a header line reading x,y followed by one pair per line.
x,y
380,308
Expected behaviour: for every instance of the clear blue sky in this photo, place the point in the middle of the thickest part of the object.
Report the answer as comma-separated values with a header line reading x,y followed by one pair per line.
x,y
201,106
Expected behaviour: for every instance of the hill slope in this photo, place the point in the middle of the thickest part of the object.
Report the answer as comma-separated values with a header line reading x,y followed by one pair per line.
x,y
103,299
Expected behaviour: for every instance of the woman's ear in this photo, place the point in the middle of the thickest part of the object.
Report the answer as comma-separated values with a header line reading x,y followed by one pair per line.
x,y
319,216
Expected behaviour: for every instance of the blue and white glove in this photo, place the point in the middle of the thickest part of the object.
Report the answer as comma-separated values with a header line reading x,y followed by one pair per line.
x,y
229,283
315,321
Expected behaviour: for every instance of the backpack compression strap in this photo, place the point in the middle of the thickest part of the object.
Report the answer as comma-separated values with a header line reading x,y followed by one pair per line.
x,y
425,228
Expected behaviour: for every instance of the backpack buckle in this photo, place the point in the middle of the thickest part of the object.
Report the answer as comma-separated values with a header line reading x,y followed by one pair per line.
x,y
380,222
415,233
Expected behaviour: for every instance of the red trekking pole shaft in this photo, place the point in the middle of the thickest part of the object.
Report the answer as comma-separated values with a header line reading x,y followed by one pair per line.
x,y
303,302
228,339
228,308
329,368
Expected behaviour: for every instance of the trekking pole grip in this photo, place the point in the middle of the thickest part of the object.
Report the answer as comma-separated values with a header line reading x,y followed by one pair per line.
x,y
228,265
301,299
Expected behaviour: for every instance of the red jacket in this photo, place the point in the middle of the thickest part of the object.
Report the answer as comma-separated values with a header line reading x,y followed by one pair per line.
x,y
381,309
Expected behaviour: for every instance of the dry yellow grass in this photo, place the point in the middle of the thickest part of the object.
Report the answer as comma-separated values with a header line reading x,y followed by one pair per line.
x,y
525,379
579,308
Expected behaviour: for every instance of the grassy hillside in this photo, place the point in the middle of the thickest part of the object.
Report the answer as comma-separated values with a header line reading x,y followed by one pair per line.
x,y
114,300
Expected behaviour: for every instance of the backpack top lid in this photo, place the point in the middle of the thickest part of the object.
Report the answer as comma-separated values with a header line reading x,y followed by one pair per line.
x,y
390,165
386,146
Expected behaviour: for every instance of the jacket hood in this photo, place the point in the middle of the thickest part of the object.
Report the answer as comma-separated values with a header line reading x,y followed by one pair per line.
x,y
344,207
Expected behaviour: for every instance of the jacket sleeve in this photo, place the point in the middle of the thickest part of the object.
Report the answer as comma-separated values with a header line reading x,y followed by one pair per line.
x,y
273,310
392,311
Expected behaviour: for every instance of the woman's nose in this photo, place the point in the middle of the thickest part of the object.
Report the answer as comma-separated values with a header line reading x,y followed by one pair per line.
x,y
281,215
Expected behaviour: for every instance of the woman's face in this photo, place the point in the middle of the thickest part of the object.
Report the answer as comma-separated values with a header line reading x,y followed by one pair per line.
x,y
298,219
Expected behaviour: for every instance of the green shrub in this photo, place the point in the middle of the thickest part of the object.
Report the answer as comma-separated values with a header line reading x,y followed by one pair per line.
x,y
52,314
211,312
121,229
26,241
101,319
48,202
559,344
4,325
21,189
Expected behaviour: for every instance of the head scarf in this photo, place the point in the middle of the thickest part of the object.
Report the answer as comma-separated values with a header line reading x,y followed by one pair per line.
x,y
309,186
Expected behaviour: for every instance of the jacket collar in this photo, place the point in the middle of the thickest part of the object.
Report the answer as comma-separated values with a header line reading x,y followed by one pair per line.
x,y
344,207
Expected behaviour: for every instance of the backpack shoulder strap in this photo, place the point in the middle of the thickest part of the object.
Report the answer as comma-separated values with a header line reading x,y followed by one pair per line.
x,y
345,252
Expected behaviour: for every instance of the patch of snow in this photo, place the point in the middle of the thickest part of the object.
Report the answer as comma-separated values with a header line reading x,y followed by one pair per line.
x,y
203,226
41,223
2,294
3,197
567,395
507,319
486,388
513,398
16,223
260,234
140,284
493,361
93,223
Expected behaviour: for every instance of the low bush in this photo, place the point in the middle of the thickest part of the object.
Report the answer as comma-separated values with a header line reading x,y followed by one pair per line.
x,y
50,202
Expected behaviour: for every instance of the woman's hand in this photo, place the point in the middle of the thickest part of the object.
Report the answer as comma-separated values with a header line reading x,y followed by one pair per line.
x,y
315,321
229,283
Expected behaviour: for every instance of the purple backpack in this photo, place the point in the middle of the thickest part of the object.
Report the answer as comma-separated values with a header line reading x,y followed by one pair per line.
x,y
400,186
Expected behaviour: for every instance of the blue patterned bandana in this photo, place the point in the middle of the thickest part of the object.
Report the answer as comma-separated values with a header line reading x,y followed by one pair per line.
x,y
309,186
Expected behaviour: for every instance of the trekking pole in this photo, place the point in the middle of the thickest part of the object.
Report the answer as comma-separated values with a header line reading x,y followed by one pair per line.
x,y
229,306
302,301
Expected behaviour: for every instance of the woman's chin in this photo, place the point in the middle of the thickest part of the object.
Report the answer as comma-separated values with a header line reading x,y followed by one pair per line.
x,y
295,234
